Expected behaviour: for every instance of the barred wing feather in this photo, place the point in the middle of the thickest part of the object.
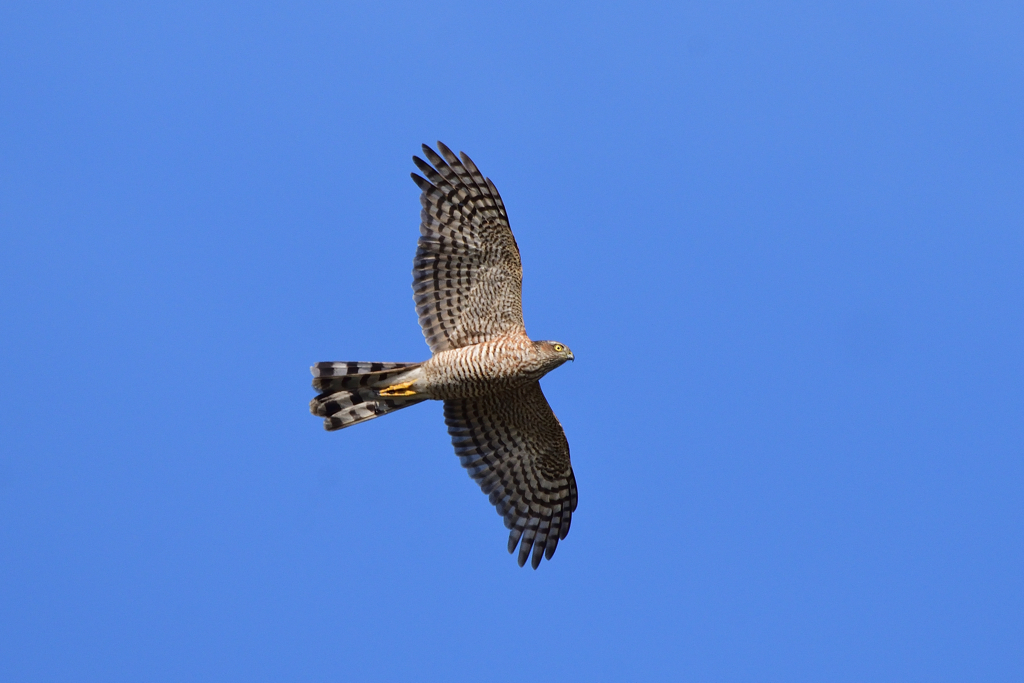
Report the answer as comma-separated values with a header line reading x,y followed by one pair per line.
x,y
514,447
467,276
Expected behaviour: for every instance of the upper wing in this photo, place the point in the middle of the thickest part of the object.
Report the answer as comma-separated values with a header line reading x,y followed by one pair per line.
x,y
467,277
514,447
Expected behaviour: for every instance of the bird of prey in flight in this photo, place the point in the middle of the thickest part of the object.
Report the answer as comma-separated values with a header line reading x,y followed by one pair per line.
x,y
467,284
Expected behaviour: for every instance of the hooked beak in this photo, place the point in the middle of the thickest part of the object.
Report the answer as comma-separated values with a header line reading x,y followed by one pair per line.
x,y
571,357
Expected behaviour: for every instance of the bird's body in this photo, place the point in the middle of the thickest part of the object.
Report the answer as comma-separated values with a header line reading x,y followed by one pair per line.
x,y
487,368
467,281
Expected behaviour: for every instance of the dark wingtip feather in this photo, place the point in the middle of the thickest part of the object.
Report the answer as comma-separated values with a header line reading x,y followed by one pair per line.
x,y
468,163
538,553
422,183
448,155
423,166
513,539
433,156
524,551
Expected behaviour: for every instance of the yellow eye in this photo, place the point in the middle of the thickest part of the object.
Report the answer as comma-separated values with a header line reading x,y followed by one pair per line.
x,y
559,347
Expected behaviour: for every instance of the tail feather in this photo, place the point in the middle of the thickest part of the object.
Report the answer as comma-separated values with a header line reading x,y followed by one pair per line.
x,y
348,392
331,377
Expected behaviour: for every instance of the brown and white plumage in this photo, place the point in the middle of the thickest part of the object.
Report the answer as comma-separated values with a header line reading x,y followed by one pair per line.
x,y
467,276
514,447
467,284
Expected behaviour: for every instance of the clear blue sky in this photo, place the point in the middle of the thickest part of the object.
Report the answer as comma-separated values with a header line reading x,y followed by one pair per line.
x,y
784,241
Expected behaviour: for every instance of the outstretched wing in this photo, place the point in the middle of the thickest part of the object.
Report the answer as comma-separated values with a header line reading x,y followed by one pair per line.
x,y
467,277
514,447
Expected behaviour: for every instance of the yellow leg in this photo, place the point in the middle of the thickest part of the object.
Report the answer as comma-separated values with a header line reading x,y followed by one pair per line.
x,y
401,389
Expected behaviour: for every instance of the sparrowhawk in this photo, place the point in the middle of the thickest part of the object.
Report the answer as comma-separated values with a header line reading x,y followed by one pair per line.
x,y
467,284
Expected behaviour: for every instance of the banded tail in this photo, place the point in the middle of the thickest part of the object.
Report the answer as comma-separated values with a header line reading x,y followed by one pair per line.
x,y
350,392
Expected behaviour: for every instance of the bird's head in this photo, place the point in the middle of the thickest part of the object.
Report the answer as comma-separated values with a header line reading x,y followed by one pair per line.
x,y
553,354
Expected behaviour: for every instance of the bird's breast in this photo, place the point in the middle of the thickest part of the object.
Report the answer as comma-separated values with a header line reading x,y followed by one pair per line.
x,y
490,367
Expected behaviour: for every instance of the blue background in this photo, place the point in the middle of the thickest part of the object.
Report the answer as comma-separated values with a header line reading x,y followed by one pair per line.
x,y
783,240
